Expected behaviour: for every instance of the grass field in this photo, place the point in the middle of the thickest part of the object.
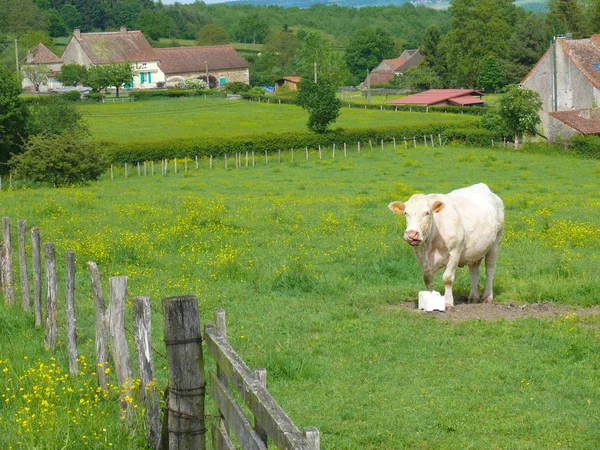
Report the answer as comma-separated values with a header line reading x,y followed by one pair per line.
x,y
216,117
310,265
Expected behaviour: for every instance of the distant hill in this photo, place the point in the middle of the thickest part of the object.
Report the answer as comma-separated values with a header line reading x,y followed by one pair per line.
x,y
528,5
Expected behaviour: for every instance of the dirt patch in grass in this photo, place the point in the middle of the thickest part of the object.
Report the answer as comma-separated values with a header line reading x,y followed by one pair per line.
x,y
507,311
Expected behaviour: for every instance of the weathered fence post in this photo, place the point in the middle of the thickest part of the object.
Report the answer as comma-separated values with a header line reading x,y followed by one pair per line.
x,y
118,346
50,258
312,436
7,273
101,326
344,149
394,143
306,148
370,145
187,382
141,336
70,312
37,276
23,267
320,155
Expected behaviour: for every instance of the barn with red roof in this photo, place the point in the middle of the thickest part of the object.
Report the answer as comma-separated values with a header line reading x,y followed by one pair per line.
x,y
442,97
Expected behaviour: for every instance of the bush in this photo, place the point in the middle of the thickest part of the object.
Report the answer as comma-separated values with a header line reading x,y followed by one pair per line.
x,y
71,96
588,146
96,96
59,160
171,93
193,84
237,87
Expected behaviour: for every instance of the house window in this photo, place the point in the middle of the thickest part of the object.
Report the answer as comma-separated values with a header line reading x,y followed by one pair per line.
x,y
149,77
222,81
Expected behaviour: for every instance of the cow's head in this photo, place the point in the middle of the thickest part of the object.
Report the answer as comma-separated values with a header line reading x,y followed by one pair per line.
x,y
419,210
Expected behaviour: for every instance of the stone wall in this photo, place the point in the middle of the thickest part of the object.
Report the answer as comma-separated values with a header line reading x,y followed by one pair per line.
x,y
232,76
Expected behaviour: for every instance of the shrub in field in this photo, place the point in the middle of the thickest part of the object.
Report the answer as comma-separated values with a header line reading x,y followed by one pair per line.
x,y
71,96
193,84
237,88
586,145
60,160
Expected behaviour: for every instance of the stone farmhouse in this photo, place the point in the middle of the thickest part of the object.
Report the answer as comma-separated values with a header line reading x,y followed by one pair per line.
x,y
388,68
152,67
42,56
567,77
219,61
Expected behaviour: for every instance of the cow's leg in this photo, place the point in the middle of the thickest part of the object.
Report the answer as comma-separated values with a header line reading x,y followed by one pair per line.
x,y
474,273
449,280
428,280
490,268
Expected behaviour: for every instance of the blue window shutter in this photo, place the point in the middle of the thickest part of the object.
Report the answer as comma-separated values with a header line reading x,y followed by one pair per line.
x,y
149,77
142,77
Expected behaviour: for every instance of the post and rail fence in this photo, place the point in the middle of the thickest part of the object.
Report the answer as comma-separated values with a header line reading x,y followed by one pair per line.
x,y
183,413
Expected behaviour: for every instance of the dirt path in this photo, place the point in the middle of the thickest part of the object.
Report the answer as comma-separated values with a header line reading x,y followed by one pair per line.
x,y
507,311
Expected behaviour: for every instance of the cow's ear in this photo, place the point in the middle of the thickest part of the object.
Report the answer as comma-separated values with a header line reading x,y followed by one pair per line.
x,y
397,207
437,206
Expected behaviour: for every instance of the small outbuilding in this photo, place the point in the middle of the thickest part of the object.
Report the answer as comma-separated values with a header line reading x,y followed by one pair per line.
x,y
389,68
42,56
290,83
442,97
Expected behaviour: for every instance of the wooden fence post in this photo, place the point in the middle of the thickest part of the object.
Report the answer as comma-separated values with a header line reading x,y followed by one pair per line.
x,y
141,336
261,376
23,267
50,258
187,380
7,269
37,276
101,326
118,346
312,436
70,313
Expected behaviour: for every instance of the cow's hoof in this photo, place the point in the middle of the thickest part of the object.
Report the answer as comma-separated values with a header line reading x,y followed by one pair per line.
x,y
473,299
489,301
450,308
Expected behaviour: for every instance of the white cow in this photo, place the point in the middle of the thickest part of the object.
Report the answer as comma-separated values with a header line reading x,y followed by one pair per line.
x,y
455,230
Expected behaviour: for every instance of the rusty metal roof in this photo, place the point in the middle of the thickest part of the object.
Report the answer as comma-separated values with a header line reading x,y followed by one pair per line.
x,y
434,96
195,59
585,121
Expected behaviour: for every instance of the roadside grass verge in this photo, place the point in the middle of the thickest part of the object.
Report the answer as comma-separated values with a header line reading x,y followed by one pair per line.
x,y
307,260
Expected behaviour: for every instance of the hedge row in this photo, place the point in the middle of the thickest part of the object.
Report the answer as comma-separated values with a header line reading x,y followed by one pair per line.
x,y
133,152
172,93
581,146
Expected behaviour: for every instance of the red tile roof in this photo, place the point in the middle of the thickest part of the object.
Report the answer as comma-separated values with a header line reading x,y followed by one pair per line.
x,y
116,47
395,64
585,121
194,59
434,96
291,79
41,54
466,100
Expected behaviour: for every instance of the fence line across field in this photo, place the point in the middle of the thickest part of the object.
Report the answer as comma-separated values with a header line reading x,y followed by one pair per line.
x,y
183,416
243,159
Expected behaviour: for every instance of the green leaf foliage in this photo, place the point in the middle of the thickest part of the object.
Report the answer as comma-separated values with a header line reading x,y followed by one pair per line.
x,y
519,109
367,48
321,102
13,115
59,160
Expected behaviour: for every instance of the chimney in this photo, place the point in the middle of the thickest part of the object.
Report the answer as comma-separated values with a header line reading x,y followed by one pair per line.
x,y
29,57
77,33
123,30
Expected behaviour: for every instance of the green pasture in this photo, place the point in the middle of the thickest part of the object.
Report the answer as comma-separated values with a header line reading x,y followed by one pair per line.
x,y
310,266
217,117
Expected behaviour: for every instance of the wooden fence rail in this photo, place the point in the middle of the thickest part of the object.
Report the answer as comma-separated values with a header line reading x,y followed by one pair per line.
x,y
268,415
184,413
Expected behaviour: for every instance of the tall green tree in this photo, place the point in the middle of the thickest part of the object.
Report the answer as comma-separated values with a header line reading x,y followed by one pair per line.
x,y
36,74
480,29
155,24
13,115
567,16
491,75
321,102
284,44
431,50
251,29
526,46
366,49
519,109
318,54
212,34
115,74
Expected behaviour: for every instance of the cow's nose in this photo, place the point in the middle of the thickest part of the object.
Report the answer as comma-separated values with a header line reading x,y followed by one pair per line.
x,y
412,237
